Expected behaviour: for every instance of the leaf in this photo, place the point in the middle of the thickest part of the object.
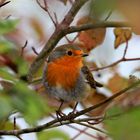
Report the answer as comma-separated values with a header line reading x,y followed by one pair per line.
x,y
38,29
22,66
5,46
6,75
125,126
5,106
121,36
90,38
116,83
7,26
93,99
53,135
27,102
100,7
7,125
130,10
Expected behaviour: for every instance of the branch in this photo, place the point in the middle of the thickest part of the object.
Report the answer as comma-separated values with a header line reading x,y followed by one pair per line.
x,y
45,8
123,59
115,63
82,131
107,100
23,48
66,119
101,24
3,4
56,36
92,127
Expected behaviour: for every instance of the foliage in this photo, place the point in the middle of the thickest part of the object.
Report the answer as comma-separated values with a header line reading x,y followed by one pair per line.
x,y
52,135
126,126
7,26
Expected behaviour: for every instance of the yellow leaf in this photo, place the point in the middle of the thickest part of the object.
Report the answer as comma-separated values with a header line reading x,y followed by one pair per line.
x,y
117,83
121,36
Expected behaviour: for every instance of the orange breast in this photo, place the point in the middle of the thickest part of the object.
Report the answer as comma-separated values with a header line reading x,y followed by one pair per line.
x,y
64,72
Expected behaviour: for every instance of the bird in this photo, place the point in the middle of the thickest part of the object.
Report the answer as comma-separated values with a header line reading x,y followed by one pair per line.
x,y
65,76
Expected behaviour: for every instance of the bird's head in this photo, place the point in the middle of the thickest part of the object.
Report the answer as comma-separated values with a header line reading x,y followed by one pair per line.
x,y
68,53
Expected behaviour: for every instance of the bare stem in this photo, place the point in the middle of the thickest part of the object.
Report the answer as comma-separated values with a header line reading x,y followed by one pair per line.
x,y
23,48
3,4
92,127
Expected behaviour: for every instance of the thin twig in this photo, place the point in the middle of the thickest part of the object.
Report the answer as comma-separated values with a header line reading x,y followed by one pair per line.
x,y
23,48
80,132
86,133
100,24
109,14
75,128
35,52
19,137
123,59
126,48
115,63
14,123
46,9
3,4
92,127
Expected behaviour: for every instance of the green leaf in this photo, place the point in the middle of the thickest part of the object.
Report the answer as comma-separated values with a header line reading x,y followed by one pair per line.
x,y
23,66
101,7
6,75
125,126
7,125
7,26
53,135
5,46
26,101
5,106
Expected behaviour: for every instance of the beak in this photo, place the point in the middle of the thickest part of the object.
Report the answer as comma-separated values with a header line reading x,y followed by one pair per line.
x,y
84,54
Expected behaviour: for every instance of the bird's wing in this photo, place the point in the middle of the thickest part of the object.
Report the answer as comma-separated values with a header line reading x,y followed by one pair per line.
x,y
89,77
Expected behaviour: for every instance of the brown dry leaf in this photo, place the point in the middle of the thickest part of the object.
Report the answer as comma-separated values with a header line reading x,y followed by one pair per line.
x,y
90,38
36,25
93,99
121,36
131,9
117,83
132,99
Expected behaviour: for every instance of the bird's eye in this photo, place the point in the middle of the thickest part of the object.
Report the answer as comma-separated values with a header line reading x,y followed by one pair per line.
x,y
69,53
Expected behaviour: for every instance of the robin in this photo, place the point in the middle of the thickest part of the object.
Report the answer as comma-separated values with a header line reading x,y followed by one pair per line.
x,y
65,76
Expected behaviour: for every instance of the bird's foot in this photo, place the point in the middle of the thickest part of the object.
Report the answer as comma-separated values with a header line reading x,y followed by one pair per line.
x,y
59,115
74,110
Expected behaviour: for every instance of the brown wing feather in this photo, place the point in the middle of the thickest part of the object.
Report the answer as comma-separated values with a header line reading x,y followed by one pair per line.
x,y
89,78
